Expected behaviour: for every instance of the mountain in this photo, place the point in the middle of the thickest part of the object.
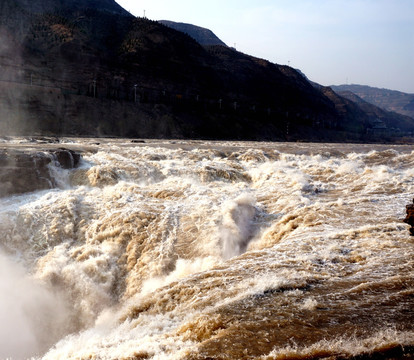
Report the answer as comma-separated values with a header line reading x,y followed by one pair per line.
x,y
90,68
201,35
380,121
390,100
34,7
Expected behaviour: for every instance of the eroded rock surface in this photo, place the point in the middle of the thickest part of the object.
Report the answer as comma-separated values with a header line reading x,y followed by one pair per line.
x,y
409,219
22,172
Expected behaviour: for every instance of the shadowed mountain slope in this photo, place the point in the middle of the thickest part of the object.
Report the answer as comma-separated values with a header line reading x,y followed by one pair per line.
x,y
202,35
90,68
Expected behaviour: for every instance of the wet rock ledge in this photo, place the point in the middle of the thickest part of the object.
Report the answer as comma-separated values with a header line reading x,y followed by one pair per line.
x,y
409,219
22,172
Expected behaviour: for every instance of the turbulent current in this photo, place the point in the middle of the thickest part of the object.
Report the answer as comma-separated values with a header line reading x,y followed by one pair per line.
x,y
211,250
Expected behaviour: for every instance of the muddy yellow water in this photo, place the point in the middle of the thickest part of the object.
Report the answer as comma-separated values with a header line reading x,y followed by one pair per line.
x,y
209,250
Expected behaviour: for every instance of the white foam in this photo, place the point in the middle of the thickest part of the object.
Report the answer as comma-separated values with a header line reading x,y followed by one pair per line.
x,y
236,229
182,233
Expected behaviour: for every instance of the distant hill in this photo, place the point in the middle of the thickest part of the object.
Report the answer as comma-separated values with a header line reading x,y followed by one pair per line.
x,y
201,35
88,67
378,116
390,100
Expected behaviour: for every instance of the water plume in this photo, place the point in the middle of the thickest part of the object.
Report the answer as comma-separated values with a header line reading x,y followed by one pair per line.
x,y
32,316
238,225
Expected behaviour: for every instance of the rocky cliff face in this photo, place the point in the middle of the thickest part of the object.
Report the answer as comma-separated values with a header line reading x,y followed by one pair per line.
x,y
90,68
22,172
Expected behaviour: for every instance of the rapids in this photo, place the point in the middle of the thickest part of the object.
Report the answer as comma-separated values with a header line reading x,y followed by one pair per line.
x,y
211,250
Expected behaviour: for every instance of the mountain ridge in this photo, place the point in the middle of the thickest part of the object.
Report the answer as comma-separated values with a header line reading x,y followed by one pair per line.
x,y
202,35
389,100
83,69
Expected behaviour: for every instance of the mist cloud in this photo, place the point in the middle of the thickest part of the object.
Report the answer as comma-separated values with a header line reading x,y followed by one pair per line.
x,y
32,317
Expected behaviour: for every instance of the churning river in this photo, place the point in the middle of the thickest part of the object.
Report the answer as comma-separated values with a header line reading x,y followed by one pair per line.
x,y
211,250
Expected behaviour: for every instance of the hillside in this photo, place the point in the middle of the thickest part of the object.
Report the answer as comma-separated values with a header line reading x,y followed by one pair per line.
x,y
201,35
390,100
90,68
380,123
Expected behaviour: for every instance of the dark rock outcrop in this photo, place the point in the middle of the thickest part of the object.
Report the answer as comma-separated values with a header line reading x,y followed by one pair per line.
x,y
22,172
67,159
409,219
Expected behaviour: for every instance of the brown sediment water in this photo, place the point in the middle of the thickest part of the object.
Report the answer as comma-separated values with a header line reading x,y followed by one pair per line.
x,y
211,250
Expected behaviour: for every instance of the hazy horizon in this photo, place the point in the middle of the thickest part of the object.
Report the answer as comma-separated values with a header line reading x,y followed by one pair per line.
x,y
365,42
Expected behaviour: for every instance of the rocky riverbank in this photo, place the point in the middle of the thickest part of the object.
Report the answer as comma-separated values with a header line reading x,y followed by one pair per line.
x,y
26,171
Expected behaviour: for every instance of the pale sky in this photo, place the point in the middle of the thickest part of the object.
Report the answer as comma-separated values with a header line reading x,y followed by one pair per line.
x,y
367,42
